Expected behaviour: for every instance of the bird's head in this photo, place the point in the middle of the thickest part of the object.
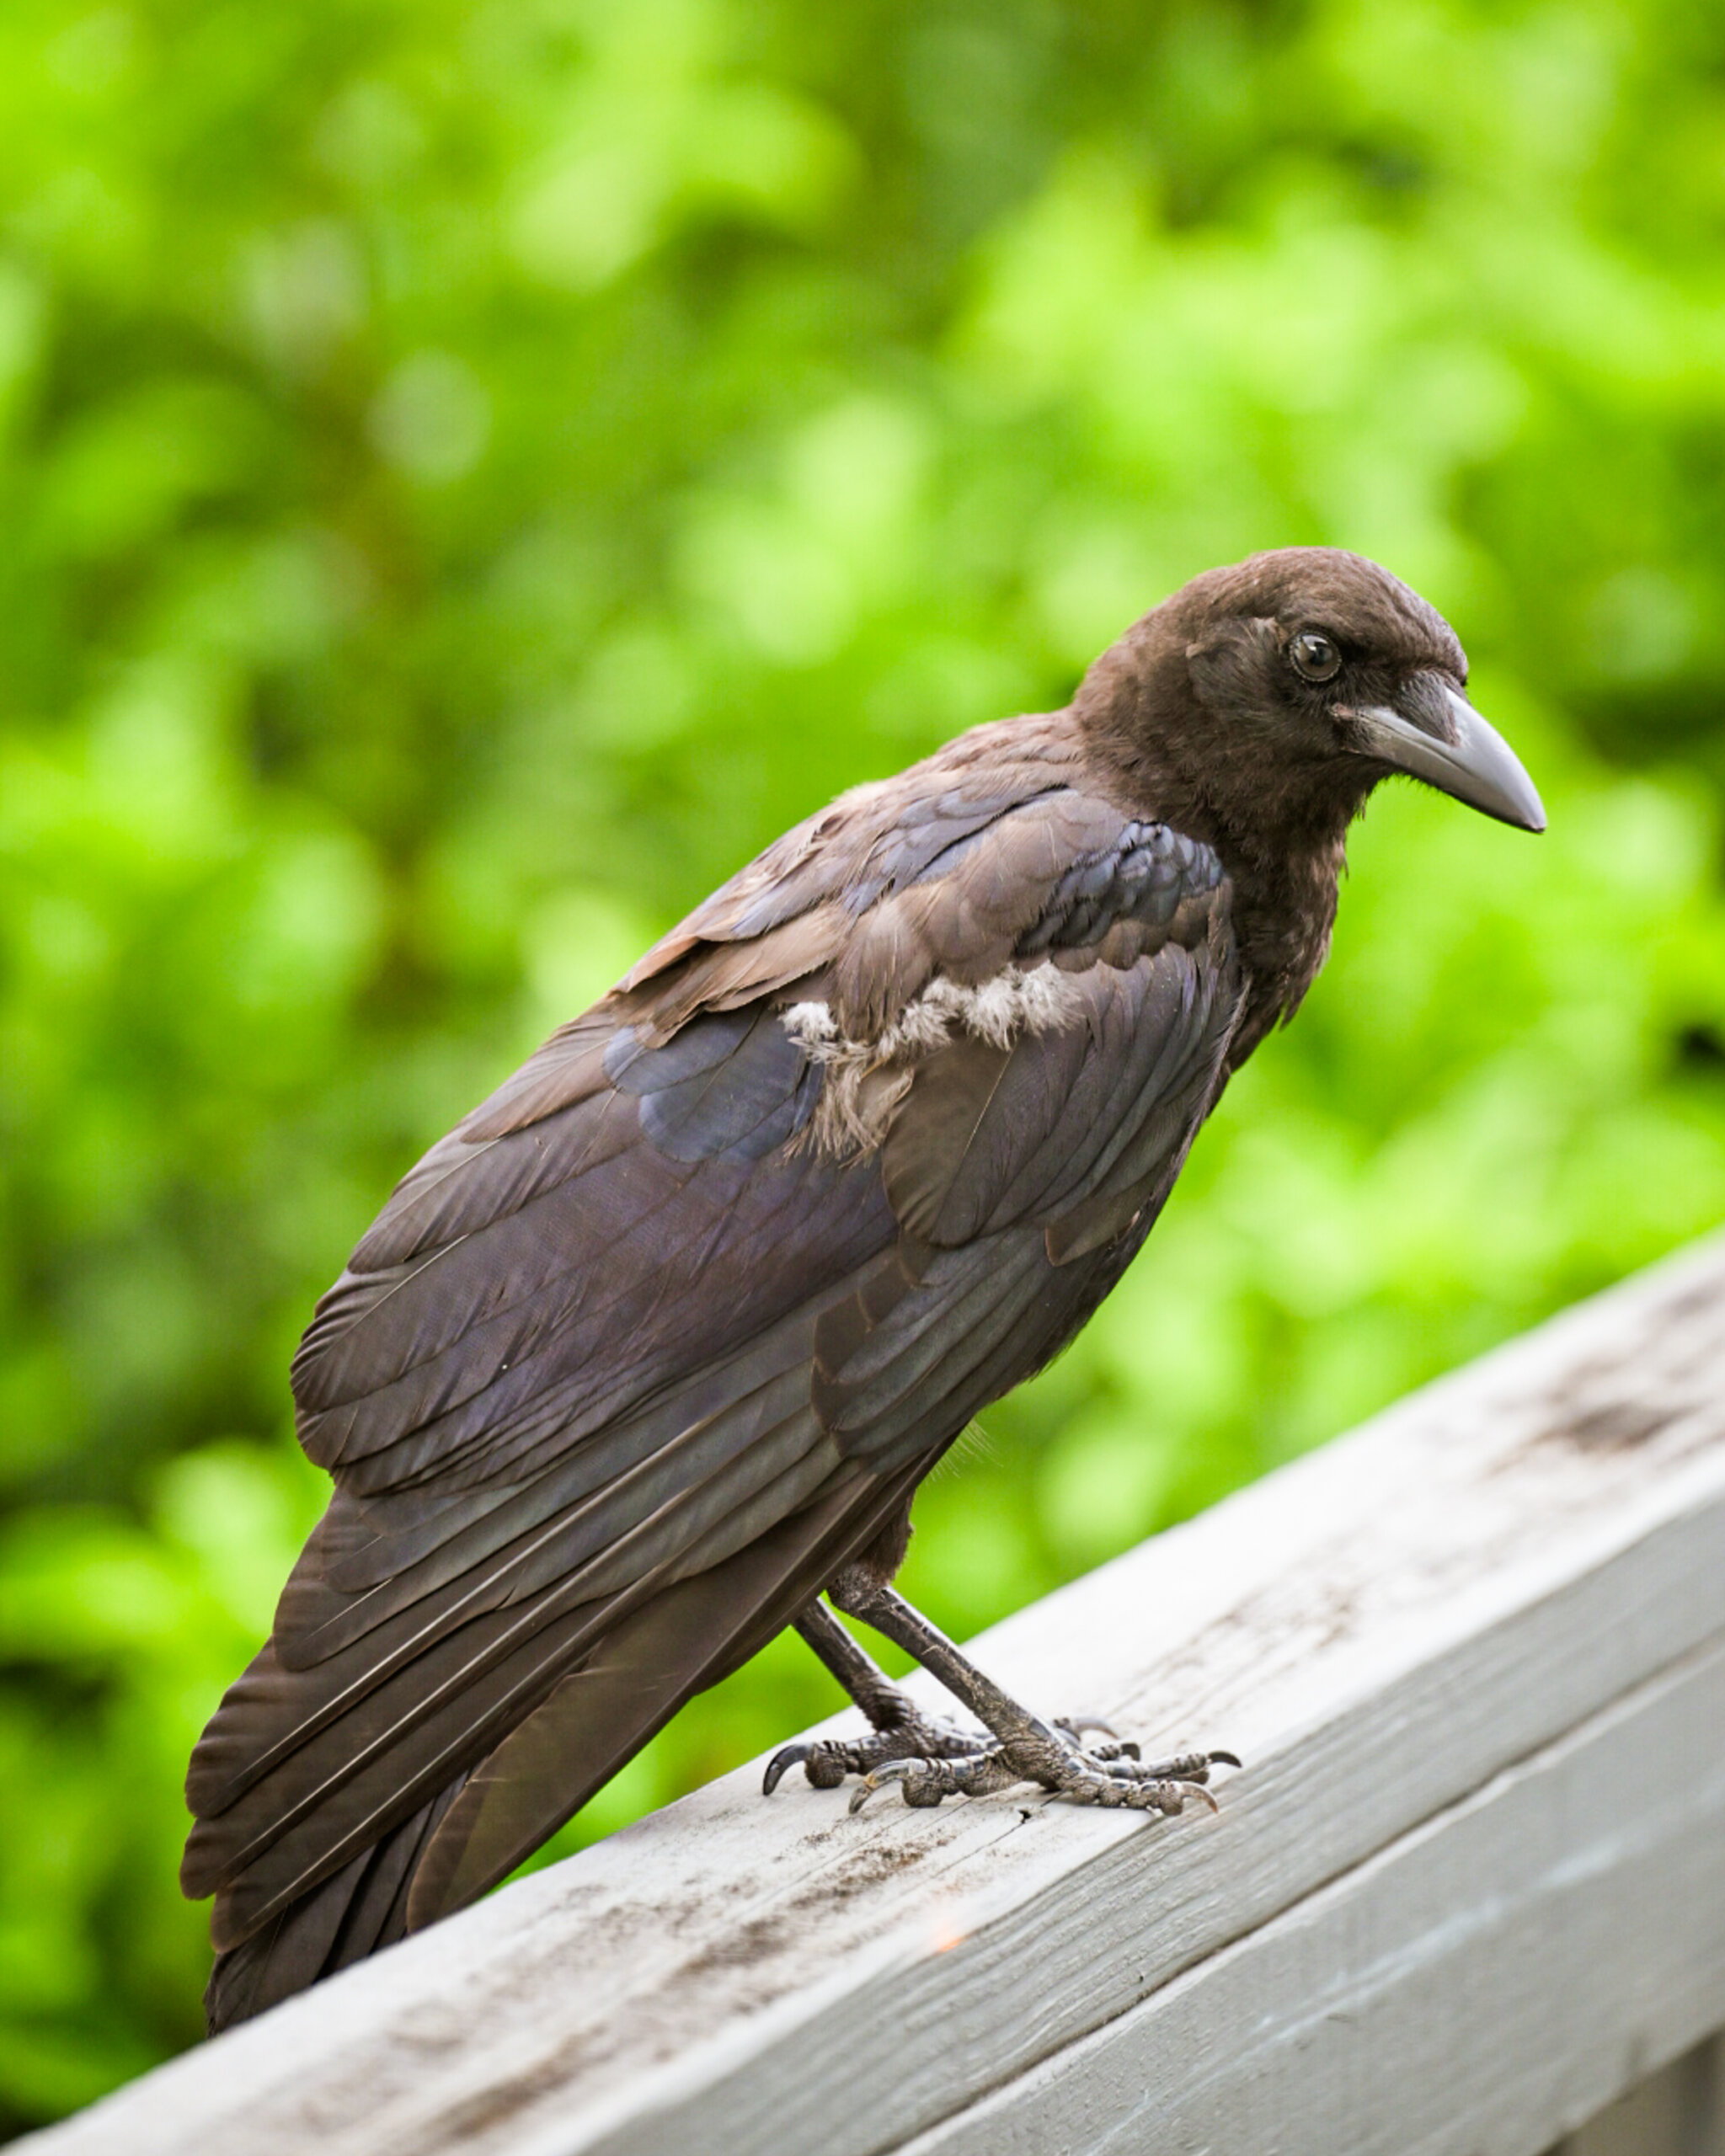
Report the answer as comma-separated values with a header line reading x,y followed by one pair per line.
x,y
1287,685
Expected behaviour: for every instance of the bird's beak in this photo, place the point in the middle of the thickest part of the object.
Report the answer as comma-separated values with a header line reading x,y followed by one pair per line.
x,y
1432,733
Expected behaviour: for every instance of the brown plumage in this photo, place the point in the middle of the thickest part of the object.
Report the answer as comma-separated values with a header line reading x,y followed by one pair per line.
x,y
657,1344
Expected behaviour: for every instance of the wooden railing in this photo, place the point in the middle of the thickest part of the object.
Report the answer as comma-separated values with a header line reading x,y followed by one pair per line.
x,y
1467,1894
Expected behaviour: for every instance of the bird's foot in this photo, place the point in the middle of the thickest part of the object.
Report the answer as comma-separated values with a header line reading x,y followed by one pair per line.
x,y
1110,1775
906,1734
931,1760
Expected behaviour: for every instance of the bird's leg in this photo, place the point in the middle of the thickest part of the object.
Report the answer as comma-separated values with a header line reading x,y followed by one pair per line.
x,y
1026,1749
898,1726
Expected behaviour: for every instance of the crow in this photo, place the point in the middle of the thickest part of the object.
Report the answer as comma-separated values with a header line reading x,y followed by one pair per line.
x,y
652,1350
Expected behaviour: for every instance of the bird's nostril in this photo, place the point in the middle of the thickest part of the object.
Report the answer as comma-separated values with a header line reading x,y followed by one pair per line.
x,y
1429,702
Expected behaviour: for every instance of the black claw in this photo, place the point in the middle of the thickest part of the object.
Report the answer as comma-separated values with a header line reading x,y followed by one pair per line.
x,y
1078,1724
893,1770
1223,1759
781,1763
866,1788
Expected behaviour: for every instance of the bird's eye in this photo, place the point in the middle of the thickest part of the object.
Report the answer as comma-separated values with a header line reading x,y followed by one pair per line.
x,y
1315,656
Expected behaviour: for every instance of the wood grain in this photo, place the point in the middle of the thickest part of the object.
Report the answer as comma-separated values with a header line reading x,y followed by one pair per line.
x,y
1479,1632
1492,1978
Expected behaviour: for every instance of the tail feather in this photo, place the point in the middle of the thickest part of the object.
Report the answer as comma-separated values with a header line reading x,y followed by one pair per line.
x,y
464,1838
361,1907
625,1691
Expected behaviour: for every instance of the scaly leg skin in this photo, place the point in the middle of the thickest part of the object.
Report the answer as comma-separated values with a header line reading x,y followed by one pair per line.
x,y
898,1729
1024,1750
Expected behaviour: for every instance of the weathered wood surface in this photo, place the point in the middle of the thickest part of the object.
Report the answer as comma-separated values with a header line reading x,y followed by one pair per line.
x,y
1678,2111
1469,1888
1461,1990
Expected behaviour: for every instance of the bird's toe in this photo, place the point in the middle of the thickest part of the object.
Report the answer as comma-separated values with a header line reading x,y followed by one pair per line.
x,y
920,1740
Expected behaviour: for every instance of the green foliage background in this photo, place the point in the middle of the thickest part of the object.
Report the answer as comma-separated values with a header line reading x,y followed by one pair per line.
x,y
472,471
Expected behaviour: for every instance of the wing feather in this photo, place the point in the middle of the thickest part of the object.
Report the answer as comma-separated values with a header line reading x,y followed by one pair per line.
x,y
601,1714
